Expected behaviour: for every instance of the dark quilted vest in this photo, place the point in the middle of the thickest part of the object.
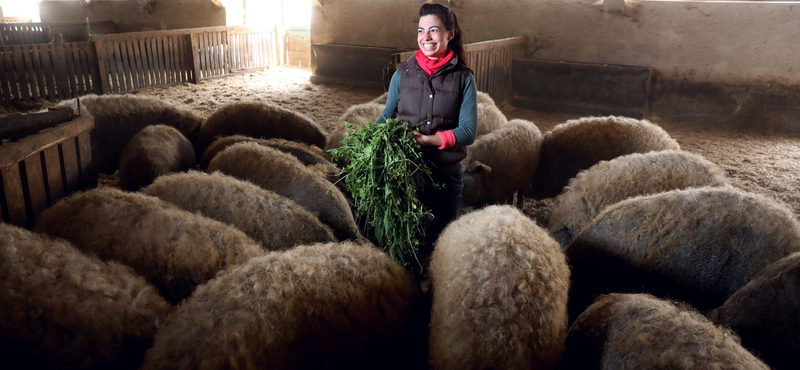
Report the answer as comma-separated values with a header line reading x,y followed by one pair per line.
x,y
433,103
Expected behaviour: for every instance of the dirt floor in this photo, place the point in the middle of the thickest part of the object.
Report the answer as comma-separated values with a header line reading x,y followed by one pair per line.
x,y
768,164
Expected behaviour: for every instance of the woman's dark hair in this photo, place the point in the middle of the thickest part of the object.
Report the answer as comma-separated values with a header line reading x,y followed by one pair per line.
x,y
450,22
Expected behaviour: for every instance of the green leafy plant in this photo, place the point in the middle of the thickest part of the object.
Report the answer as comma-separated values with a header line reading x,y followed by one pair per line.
x,y
384,169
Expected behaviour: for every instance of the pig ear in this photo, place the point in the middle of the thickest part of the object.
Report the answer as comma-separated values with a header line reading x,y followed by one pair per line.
x,y
478,166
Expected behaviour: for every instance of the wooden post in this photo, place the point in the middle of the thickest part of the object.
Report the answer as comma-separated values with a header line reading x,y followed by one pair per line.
x,y
93,64
104,85
60,64
195,59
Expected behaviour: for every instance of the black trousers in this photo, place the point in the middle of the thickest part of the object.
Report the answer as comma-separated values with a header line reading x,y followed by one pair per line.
x,y
444,203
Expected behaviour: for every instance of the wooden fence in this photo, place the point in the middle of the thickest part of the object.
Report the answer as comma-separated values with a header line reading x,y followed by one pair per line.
x,y
43,33
492,62
51,72
115,63
131,61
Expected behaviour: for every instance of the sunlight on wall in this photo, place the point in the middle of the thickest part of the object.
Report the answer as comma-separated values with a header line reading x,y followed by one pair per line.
x,y
21,9
267,13
234,12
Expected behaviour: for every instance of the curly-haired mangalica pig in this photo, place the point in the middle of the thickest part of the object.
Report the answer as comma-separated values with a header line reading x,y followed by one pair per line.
x,y
271,219
639,331
323,306
501,163
765,313
697,245
624,177
117,118
281,173
156,150
578,144
310,155
259,120
490,118
175,250
62,309
500,287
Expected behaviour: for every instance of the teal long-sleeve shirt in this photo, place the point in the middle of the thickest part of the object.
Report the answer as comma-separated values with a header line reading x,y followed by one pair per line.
x,y
467,128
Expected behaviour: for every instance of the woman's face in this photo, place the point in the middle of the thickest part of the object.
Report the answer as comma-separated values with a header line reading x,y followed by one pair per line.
x,y
432,37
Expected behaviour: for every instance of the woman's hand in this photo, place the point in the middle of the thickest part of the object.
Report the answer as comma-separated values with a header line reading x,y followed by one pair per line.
x,y
427,140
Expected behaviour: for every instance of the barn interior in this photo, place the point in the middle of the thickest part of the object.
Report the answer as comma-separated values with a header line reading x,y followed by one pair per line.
x,y
720,77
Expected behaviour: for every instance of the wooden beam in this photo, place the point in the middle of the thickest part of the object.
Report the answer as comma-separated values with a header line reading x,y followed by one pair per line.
x,y
19,126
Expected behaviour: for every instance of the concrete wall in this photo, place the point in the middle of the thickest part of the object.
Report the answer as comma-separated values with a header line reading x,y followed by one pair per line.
x,y
134,15
719,56
701,41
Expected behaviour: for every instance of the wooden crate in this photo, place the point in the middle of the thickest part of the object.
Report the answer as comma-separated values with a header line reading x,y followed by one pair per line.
x,y
42,168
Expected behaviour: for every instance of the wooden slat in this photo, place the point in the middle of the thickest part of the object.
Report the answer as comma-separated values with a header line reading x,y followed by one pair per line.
x,y
233,51
220,51
141,60
81,72
151,61
184,61
55,181
194,46
163,57
88,172
36,192
100,81
201,55
165,60
212,55
36,60
176,58
10,59
184,77
129,63
168,61
14,200
161,61
71,167
113,69
188,58
22,75
170,53
121,70
213,63
97,71
5,78
72,73
60,69
133,66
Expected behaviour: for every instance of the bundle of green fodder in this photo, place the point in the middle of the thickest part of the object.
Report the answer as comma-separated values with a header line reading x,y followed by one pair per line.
x,y
384,169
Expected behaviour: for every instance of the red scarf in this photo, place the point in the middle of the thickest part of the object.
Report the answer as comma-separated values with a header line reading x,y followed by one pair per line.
x,y
430,66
